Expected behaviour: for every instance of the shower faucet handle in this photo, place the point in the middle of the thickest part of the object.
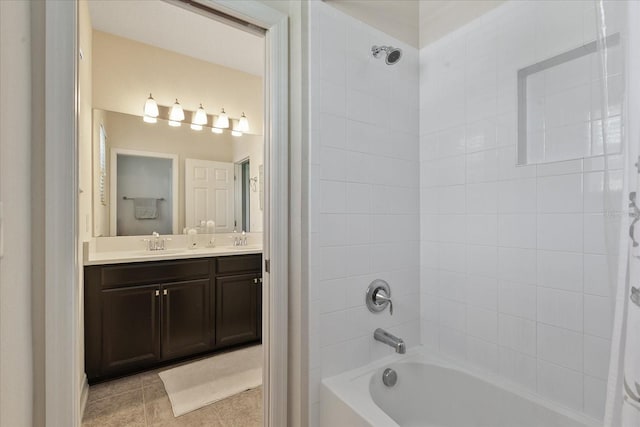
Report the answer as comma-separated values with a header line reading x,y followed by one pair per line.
x,y
379,296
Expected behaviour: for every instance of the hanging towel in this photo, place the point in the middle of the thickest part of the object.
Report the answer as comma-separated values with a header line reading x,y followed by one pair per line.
x,y
145,208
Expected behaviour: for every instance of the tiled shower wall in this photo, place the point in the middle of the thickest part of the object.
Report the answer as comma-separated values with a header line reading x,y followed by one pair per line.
x,y
513,266
364,193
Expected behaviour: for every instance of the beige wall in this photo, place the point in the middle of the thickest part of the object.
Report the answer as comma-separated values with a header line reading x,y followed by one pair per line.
x,y
16,333
440,17
85,185
125,72
253,149
130,132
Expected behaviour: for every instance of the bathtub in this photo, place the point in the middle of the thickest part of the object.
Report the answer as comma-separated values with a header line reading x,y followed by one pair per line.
x,y
432,392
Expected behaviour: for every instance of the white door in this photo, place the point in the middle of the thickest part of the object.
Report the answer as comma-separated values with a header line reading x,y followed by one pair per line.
x,y
209,193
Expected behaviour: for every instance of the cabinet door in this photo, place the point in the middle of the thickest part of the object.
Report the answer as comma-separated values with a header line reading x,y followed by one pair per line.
x,y
186,322
237,309
130,328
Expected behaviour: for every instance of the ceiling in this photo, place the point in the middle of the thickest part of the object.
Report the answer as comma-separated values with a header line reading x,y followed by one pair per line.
x,y
166,26
416,22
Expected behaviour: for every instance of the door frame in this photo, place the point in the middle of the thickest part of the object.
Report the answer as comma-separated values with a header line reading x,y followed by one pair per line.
x,y
62,239
113,187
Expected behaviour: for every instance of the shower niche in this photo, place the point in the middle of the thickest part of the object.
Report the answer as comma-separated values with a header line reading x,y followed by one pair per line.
x,y
561,101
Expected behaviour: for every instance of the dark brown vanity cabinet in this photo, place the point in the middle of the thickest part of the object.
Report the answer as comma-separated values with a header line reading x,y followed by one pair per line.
x,y
238,301
139,315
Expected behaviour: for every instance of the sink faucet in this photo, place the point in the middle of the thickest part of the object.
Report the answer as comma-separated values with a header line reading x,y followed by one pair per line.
x,y
240,240
390,339
156,243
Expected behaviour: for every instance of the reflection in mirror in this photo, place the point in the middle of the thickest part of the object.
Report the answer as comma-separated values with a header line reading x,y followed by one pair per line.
x,y
144,187
121,67
204,177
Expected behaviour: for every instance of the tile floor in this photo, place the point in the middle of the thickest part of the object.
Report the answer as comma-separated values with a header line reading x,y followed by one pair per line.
x,y
141,400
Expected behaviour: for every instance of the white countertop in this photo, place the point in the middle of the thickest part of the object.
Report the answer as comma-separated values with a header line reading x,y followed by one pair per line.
x,y
117,250
121,257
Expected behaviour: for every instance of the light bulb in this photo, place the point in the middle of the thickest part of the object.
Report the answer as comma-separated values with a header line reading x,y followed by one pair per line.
x,y
236,133
222,122
200,117
243,124
148,119
176,114
151,108
196,127
174,123
216,130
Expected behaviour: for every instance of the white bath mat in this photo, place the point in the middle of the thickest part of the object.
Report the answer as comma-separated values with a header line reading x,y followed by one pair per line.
x,y
201,383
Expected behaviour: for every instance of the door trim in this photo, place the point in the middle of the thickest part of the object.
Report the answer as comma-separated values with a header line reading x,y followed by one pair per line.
x,y
63,388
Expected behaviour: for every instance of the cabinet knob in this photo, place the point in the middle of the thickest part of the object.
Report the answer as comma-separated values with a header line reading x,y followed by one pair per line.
x,y
260,280
157,293
255,280
165,292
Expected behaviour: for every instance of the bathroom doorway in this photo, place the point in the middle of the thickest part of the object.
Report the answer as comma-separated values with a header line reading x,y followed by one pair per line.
x,y
65,361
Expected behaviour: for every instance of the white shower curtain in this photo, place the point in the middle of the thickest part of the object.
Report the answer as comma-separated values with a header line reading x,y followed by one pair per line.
x,y
623,388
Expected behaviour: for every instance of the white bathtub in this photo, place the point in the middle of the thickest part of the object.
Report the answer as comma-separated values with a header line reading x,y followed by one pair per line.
x,y
431,392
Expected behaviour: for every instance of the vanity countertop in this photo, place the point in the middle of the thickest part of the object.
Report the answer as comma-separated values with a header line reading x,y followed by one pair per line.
x,y
121,257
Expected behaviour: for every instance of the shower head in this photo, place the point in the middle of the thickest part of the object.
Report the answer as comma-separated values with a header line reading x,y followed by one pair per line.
x,y
392,54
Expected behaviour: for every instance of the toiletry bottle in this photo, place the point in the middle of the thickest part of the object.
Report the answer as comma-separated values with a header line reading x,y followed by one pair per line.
x,y
192,238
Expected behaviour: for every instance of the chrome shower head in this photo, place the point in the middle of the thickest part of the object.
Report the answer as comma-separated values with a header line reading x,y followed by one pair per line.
x,y
392,54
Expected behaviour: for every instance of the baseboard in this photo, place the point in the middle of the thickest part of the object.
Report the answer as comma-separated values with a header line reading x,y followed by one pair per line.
x,y
84,395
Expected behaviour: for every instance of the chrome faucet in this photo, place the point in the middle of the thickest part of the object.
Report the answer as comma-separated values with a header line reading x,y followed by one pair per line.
x,y
240,240
390,339
156,243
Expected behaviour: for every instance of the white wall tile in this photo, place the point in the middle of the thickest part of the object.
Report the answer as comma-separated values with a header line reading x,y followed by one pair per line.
x,y
517,334
560,232
595,396
560,308
517,265
482,324
482,353
482,260
598,316
517,300
562,193
518,367
517,196
482,198
482,229
560,270
517,230
560,346
482,292
596,356
561,384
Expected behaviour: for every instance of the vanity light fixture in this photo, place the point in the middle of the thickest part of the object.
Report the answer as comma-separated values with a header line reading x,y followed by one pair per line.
x,y
176,116
243,124
150,110
223,121
199,119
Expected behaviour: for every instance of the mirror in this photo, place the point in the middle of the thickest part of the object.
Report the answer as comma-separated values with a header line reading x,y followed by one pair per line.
x,y
149,175
160,178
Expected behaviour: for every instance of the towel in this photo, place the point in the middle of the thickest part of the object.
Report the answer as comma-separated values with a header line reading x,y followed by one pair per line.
x,y
145,208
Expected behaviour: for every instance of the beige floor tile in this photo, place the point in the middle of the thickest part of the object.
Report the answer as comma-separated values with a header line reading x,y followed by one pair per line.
x,y
123,409
242,410
114,387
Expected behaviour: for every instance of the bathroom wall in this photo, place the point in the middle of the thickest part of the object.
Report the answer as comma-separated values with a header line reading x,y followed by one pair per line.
x,y
364,195
513,259
125,71
18,353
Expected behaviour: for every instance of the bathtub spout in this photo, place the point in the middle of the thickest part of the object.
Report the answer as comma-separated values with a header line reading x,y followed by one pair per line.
x,y
390,339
